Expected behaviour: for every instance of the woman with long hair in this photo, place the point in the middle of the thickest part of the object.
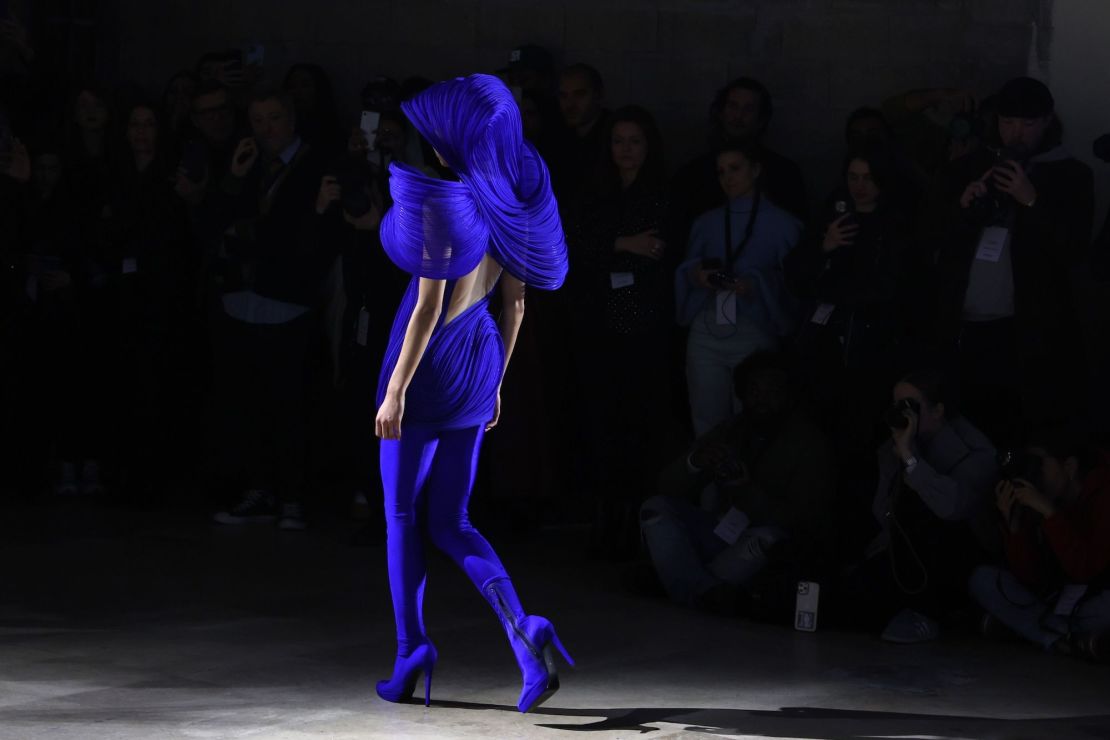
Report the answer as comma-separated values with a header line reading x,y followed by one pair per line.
x,y
439,388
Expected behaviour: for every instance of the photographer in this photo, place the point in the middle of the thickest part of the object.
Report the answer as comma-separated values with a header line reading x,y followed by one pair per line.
x,y
730,289
1005,283
935,477
1055,509
753,460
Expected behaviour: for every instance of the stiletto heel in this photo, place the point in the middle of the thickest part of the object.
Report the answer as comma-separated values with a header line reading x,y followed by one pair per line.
x,y
405,671
537,661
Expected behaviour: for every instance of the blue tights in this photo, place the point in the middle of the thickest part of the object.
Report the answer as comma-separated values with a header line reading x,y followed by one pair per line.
x,y
429,474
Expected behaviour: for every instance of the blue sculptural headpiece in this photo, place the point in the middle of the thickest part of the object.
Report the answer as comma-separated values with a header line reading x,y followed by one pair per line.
x,y
502,202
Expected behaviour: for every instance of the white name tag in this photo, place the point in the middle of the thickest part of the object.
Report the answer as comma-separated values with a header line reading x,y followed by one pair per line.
x,y
363,327
991,244
726,308
621,279
732,525
823,313
130,265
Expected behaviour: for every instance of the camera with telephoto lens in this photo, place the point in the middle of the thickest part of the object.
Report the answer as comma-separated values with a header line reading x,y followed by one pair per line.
x,y
896,416
1020,465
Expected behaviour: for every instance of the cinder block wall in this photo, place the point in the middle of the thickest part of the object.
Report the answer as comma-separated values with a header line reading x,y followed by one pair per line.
x,y
820,58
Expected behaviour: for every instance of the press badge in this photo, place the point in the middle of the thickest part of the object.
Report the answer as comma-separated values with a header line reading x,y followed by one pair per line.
x,y
823,313
732,526
991,244
726,308
621,279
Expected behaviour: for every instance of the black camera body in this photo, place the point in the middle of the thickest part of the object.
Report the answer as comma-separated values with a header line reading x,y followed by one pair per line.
x,y
896,415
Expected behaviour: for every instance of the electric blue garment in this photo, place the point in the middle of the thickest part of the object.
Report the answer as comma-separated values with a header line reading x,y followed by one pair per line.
x,y
501,205
775,233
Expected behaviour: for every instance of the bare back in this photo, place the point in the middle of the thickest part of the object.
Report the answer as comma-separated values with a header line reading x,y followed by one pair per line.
x,y
473,287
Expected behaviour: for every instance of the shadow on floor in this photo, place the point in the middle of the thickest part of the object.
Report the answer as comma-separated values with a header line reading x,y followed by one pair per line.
x,y
815,722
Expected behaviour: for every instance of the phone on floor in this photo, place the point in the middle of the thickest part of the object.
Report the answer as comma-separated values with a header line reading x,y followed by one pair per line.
x,y
805,606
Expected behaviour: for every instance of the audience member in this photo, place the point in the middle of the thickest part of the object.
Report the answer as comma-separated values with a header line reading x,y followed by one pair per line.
x,y
1005,270
730,289
582,146
620,296
177,101
265,209
767,503
935,477
740,112
317,119
1054,501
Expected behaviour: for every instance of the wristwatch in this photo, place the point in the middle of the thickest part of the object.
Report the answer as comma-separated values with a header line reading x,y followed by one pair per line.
x,y
910,463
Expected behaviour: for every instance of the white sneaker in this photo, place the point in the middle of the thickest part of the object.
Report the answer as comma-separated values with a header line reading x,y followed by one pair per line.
x,y
292,518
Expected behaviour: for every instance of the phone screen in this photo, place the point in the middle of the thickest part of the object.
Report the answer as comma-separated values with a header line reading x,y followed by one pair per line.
x,y
369,126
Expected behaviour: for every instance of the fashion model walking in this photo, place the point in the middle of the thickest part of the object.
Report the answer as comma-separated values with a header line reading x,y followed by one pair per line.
x,y
439,389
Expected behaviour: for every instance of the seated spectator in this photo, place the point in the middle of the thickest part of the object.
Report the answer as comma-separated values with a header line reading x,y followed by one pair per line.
x,y
729,288
317,119
740,112
1055,507
936,473
265,210
768,502
582,146
620,295
847,273
1015,234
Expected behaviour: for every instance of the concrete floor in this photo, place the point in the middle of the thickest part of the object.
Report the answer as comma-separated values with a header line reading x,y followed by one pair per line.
x,y
161,626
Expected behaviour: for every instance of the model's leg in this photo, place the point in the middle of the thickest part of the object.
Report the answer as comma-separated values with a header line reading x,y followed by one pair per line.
x,y
448,493
405,464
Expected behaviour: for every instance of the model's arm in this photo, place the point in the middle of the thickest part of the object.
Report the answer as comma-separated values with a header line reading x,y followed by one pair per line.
x,y
429,304
512,314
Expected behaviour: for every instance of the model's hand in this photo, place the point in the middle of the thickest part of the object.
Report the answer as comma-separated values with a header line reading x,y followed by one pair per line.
x,y
496,412
387,424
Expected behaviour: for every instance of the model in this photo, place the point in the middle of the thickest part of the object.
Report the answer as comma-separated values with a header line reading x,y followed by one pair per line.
x,y
439,390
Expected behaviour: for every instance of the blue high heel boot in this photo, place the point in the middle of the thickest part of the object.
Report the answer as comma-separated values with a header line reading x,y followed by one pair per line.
x,y
531,638
405,671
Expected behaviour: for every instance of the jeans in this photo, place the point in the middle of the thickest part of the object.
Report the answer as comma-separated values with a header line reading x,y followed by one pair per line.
x,y
1001,594
689,558
712,354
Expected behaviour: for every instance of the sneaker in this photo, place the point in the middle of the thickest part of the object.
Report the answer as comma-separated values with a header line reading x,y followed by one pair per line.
x,y
1092,646
910,627
256,506
67,480
90,478
292,518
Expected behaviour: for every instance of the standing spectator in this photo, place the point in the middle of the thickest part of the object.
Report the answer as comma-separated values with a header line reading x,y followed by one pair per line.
x,y
730,289
621,298
145,235
317,119
740,112
583,146
848,274
1055,507
1006,299
265,209
177,101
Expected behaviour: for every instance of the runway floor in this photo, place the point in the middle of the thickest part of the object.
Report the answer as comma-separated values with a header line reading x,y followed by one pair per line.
x,y
161,626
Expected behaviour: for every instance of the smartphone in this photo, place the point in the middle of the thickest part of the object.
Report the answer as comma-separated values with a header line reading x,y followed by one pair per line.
x,y
254,54
369,126
805,606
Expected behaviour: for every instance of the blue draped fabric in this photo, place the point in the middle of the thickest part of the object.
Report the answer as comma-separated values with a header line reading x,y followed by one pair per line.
x,y
502,205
